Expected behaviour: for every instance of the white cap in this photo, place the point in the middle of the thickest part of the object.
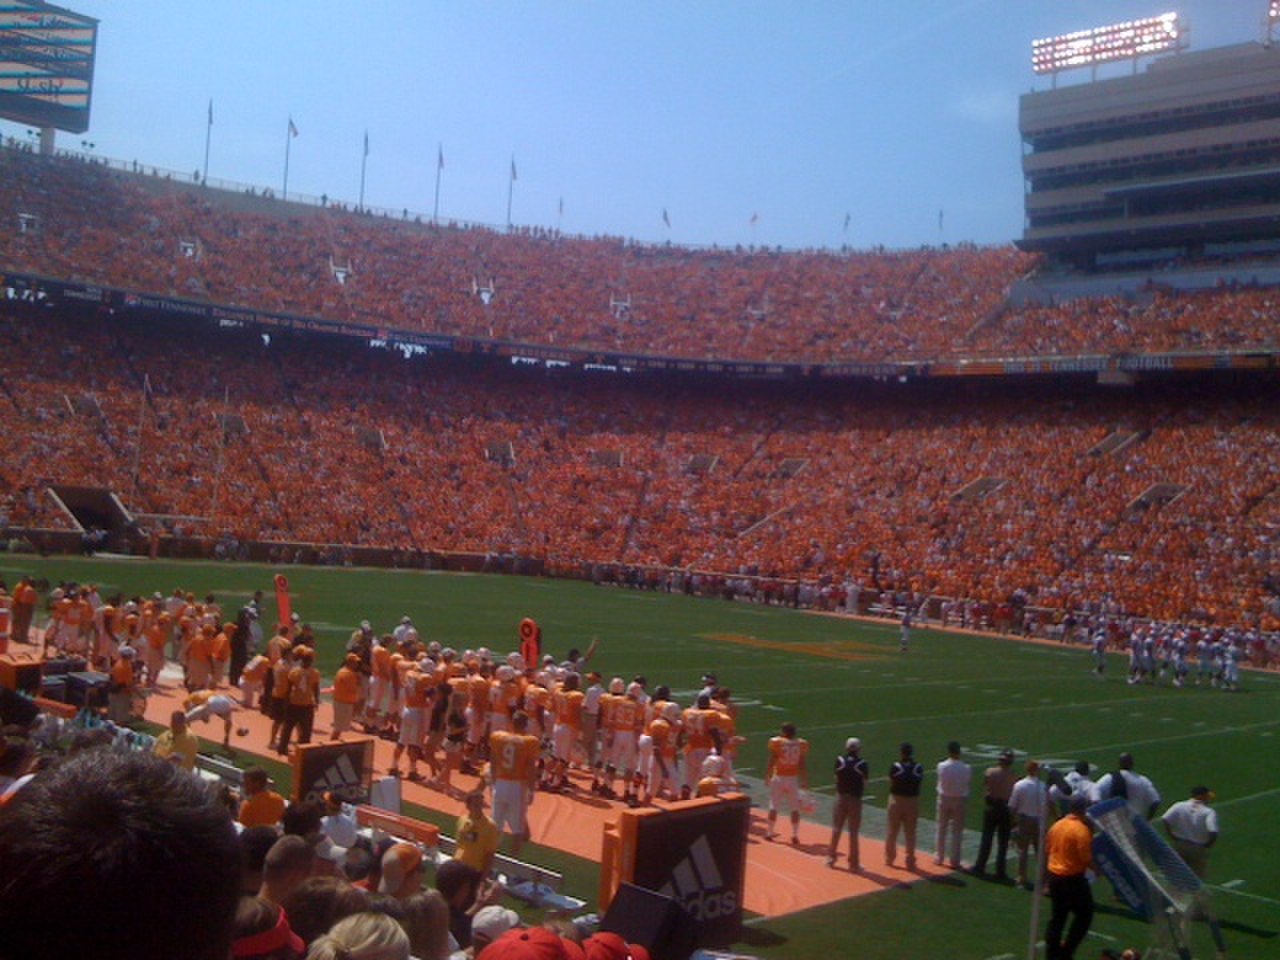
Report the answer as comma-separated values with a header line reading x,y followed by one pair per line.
x,y
853,743
493,921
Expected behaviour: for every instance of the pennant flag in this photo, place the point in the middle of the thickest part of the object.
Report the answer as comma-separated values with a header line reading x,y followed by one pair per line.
x,y
513,169
366,143
293,130
847,218
440,156
939,219
755,218
211,112
562,206
665,218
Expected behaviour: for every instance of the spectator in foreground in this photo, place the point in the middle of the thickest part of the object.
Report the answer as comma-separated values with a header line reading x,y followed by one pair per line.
x,y
365,936
88,841
263,932
288,864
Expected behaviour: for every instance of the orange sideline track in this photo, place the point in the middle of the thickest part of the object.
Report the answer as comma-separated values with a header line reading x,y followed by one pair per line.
x,y
781,879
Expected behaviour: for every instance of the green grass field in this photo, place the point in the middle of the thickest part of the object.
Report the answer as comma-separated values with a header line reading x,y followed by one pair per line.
x,y
835,678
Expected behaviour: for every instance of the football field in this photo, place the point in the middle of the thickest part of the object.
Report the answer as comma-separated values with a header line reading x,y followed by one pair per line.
x,y
834,678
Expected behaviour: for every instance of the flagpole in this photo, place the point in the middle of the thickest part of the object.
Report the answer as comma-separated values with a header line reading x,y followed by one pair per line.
x,y
511,185
364,162
288,140
137,449
435,210
208,135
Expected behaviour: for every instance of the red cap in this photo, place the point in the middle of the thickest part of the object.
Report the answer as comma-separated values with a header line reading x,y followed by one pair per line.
x,y
526,943
610,946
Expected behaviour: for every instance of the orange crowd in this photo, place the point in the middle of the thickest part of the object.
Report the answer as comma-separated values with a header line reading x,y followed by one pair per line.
x,y
853,484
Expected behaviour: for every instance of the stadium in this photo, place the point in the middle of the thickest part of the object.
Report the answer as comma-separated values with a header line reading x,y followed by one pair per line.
x,y
774,463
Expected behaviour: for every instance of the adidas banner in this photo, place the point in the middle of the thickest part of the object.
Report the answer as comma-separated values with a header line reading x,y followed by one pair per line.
x,y
697,856
344,768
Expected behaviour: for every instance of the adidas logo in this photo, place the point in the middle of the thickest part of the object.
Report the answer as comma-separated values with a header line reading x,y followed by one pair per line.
x,y
341,777
697,886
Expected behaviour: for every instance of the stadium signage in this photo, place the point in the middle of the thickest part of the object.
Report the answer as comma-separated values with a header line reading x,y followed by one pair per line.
x,y
48,56
33,288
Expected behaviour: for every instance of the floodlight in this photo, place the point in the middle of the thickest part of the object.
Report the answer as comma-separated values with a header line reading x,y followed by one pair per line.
x,y
1120,41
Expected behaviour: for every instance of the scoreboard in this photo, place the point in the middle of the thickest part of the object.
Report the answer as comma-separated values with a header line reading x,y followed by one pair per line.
x,y
46,65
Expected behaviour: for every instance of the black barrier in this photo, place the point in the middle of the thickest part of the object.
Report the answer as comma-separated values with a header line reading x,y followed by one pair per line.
x,y
344,769
697,856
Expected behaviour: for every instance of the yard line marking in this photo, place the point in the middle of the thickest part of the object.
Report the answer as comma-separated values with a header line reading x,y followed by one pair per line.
x,y
1100,936
1247,896
1232,884
1246,799
1003,956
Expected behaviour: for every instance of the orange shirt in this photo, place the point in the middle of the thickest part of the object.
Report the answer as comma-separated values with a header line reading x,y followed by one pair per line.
x,y
568,707
698,724
478,692
1069,847
417,686
262,809
155,636
122,673
381,662
504,698
346,685
786,755
664,742
514,756
280,680
627,714
304,686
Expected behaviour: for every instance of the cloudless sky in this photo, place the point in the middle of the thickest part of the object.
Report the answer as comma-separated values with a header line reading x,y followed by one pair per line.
x,y
794,112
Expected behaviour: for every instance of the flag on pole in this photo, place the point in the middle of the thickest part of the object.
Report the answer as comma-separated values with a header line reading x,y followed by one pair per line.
x,y
562,206
755,218
666,219
211,111
293,130
939,220
513,169
440,156
366,143
847,218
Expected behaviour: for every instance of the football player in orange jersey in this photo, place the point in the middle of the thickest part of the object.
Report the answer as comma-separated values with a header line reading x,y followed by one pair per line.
x,y
786,774
513,768
625,721
567,703
602,776
413,720
701,730
664,734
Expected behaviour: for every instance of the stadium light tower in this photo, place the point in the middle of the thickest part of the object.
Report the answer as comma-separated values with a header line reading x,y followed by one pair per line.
x,y
1271,21
1119,41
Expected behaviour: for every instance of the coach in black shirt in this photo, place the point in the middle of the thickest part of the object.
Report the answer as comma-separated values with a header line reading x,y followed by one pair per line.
x,y
905,777
851,777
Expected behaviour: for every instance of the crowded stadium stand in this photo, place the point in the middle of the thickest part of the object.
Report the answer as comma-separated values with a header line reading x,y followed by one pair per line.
x,y
985,492
215,371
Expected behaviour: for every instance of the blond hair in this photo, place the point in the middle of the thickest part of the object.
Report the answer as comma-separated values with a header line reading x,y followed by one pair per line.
x,y
362,936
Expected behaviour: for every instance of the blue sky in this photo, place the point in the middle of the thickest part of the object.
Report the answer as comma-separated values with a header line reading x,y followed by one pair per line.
x,y
717,111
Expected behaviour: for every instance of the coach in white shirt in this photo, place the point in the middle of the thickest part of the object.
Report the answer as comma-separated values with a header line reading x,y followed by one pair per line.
x,y
1027,804
1192,825
1140,793
954,776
